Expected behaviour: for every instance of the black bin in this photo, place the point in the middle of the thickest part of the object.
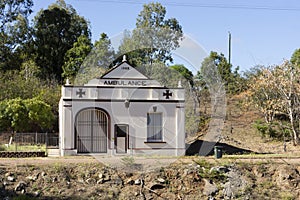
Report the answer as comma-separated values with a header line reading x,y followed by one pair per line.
x,y
218,151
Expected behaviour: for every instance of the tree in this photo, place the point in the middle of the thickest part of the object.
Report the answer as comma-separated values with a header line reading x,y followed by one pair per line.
x,y
100,58
276,90
24,83
102,54
154,37
40,116
75,56
56,29
262,93
295,59
185,73
286,78
19,115
231,78
14,31
13,115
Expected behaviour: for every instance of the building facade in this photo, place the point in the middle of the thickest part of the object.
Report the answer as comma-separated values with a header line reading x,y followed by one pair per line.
x,y
122,112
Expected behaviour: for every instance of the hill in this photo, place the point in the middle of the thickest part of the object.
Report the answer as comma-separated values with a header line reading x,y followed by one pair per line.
x,y
240,133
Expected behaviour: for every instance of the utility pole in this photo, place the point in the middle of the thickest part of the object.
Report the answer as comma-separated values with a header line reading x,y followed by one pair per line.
x,y
229,48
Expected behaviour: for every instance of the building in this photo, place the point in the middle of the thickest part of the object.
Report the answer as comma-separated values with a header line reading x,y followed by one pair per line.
x,y
122,112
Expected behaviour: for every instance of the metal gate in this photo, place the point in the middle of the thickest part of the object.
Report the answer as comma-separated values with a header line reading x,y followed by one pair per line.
x,y
91,131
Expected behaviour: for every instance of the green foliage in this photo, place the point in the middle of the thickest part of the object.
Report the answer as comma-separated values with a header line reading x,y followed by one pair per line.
x,y
262,127
75,56
184,72
275,129
100,58
14,31
13,115
295,59
21,147
154,37
56,29
128,160
39,113
231,79
22,115
207,171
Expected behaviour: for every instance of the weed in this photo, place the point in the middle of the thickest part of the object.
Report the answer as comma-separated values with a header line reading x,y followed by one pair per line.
x,y
23,197
287,196
203,163
128,161
214,175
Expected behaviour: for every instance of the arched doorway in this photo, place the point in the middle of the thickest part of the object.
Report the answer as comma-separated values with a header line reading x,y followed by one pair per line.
x,y
91,127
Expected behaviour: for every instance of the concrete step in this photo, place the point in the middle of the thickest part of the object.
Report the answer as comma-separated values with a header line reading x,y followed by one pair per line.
x,y
53,152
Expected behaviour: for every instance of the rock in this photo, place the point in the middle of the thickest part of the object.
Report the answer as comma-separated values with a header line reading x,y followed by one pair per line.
x,y
106,178
220,169
36,194
137,182
161,180
210,189
185,173
235,184
100,181
89,180
285,176
54,179
10,178
21,186
33,178
8,174
101,176
44,174
156,186
81,189
130,181
227,191
80,180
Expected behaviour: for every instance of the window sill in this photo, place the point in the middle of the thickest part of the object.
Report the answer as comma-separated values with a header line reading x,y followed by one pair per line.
x,y
151,142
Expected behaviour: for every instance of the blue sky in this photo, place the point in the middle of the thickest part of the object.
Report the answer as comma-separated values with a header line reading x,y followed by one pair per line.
x,y
263,32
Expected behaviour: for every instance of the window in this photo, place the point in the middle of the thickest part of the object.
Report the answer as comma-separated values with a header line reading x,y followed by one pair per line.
x,y
154,127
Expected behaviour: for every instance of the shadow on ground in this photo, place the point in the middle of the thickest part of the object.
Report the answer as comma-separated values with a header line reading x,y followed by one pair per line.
x,y
206,148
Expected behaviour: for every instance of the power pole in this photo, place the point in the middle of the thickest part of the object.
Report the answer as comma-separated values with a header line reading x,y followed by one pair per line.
x,y
229,48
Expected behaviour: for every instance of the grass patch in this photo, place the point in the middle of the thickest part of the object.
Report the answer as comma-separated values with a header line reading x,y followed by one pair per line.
x,y
207,171
128,161
15,147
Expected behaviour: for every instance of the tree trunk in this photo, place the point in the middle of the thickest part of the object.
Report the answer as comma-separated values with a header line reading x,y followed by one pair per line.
x,y
291,116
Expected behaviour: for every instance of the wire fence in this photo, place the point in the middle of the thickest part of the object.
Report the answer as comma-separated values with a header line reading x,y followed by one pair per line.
x,y
28,141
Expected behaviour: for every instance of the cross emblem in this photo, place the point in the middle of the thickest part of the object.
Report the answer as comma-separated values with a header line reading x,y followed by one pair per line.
x,y
167,94
80,93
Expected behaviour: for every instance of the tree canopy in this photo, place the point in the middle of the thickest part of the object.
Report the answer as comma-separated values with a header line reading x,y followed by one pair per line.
x,y
14,32
56,29
154,37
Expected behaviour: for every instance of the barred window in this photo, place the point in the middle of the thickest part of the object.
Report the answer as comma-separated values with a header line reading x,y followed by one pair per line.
x,y
154,127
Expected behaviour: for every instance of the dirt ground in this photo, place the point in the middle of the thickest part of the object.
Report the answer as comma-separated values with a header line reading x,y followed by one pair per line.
x,y
145,163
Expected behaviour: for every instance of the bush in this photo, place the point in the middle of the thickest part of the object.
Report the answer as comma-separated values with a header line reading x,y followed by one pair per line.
x,y
275,130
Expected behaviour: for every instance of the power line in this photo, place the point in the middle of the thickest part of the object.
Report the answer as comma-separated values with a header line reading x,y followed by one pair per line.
x,y
200,5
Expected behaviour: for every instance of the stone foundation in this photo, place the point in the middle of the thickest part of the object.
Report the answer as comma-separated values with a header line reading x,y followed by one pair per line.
x,y
22,154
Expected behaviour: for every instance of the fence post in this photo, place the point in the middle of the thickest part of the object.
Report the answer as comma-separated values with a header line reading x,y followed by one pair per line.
x,y
15,138
46,143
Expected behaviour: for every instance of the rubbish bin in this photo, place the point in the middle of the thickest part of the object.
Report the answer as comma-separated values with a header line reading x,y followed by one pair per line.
x,y
218,151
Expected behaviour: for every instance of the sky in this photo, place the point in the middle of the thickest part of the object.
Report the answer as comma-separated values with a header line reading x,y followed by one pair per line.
x,y
262,32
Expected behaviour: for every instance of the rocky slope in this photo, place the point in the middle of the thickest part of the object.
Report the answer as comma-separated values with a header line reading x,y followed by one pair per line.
x,y
188,178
